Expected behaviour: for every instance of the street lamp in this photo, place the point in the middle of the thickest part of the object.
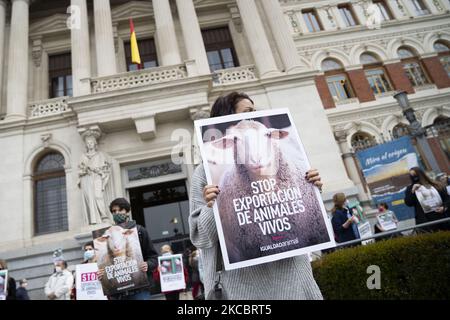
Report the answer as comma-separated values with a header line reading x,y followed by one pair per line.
x,y
416,129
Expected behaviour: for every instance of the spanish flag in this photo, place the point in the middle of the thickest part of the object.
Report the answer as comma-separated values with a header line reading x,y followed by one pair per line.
x,y
135,56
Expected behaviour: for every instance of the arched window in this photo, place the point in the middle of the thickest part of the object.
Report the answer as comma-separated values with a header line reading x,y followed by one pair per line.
x,y
362,140
413,67
375,73
443,50
400,130
50,201
337,80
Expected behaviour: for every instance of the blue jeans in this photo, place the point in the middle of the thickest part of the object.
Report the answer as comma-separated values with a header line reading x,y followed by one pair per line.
x,y
143,295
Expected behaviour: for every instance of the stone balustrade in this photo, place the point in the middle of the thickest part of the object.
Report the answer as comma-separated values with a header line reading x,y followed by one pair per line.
x,y
139,78
235,75
48,107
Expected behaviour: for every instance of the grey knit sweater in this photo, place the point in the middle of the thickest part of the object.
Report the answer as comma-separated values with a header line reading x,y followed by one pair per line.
x,y
287,279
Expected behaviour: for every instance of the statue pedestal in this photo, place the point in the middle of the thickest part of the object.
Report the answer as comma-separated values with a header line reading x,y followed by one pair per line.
x,y
86,232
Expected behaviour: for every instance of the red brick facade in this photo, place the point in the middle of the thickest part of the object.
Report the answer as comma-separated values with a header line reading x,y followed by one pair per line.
x,y
324,92
360,85
398,77
439,155
436,72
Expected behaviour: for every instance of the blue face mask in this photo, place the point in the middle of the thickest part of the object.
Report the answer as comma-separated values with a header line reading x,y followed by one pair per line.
x,y
88,255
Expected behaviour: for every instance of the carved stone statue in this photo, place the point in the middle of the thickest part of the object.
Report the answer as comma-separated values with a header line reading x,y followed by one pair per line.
x,y
95,181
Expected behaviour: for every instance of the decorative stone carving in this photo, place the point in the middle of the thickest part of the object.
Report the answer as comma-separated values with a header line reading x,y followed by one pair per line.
x,y
95,179
37,52
293,21
236,17
438,5
45,138
330,16
401,8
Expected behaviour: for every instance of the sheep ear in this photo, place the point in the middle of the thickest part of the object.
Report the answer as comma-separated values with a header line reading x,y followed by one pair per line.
x,y
103,238
278,134
223,143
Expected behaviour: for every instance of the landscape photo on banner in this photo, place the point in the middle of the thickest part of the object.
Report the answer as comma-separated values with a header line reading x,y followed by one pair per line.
x,y
386,170
266,209
119,253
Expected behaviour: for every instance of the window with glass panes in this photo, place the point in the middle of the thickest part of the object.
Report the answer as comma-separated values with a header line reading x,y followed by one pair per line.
x,y
444,55
50,200
420,7
413,67
312,20
337,81
347,15
220,49
386,14
60,75
375,74
147,51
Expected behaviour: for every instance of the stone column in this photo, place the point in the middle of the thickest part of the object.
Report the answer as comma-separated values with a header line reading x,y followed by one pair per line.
x,y
360,11
17,83
398,12
350,165
165,33
326,16
339,20
257,38
192,34
104,38
81,64
2,46
409,8
282,35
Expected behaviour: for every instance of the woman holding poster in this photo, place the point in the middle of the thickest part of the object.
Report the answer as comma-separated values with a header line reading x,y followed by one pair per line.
x,y
429,199
290,278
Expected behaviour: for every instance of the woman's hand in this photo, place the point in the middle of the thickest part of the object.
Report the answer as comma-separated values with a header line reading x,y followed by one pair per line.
x,y
415,187
143,267
313,176
210,194
440,210
100,274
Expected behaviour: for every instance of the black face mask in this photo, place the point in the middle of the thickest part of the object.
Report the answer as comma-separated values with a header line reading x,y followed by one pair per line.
x,y
414,179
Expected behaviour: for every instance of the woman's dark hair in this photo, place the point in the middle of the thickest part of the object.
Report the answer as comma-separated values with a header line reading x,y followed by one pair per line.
x,y
384,205
122,203
90,243
425,180
226,105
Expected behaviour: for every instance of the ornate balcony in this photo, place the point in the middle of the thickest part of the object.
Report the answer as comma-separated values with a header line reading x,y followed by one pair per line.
x,y
48,107
234,75
139,78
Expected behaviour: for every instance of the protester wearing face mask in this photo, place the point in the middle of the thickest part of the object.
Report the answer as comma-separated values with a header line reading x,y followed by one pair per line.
x,y
22,293
121,209
344,223
89,253
166,250
429,199
60,283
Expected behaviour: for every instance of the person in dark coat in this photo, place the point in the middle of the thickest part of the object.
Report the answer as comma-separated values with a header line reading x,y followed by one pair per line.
x,y
22,293
11,287
120,209
420,182
344,223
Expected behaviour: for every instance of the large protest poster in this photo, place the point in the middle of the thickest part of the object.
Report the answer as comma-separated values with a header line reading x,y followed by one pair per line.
x,y
266,210
87,285
386,170
3,284
171,273
119,253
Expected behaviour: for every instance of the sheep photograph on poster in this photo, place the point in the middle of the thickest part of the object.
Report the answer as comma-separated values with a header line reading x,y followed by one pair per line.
x,y
119,255
266,210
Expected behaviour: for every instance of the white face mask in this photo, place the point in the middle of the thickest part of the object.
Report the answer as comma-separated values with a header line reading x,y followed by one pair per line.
x,y
58,269
167,254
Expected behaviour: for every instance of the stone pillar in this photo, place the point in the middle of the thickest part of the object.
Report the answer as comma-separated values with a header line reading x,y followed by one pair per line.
x,y
192,34
435,6
165,33
359,9
2,46
257,38
409,8
326,16
283,38
301,20
350,165
104,38
339,20
17,83
81,64
398,9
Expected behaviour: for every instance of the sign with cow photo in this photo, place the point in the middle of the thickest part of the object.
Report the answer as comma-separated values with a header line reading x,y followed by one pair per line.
x,y
119,254
171,273
266,209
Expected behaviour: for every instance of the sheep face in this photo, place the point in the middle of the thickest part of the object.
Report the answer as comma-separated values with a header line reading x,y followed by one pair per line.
x,y
116,239
255,146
